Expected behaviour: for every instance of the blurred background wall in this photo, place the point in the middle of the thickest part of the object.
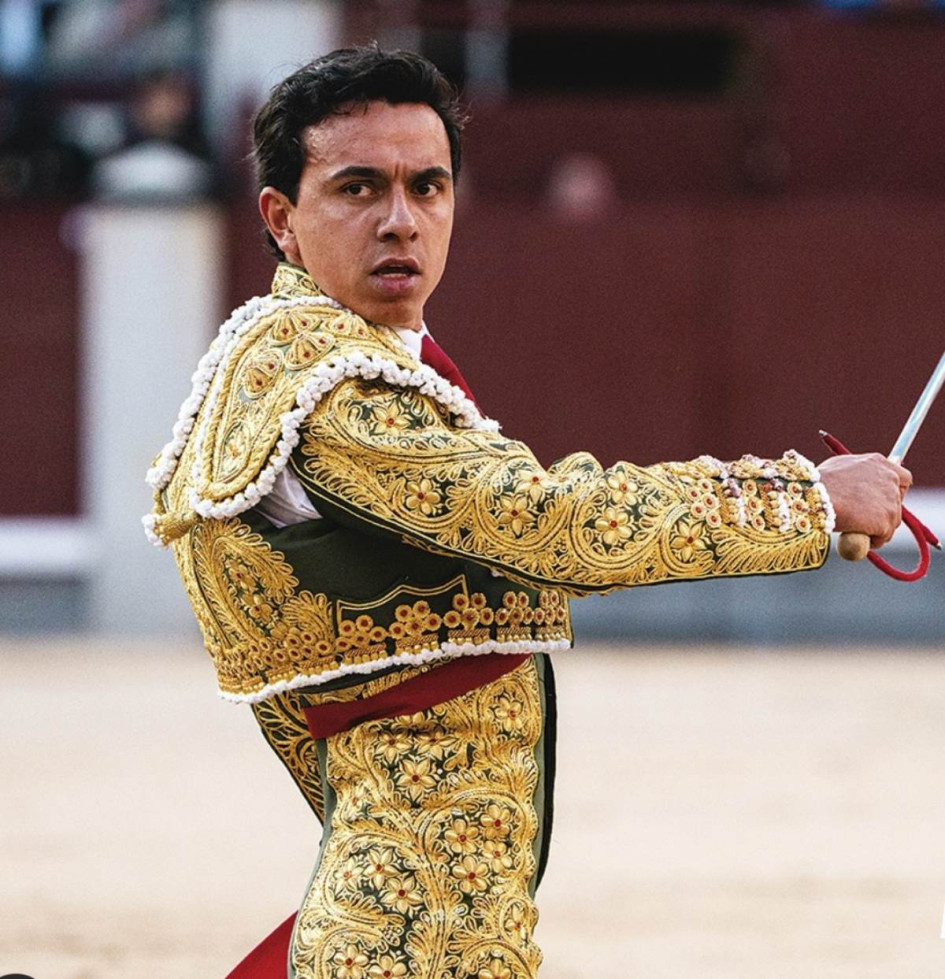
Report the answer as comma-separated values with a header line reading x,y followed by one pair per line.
x,y
683,227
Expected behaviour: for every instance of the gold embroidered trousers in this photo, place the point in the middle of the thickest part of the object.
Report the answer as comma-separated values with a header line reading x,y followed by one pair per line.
x,y
435,825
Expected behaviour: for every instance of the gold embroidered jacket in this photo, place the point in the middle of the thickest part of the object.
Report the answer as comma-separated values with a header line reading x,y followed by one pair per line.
x,y
438,536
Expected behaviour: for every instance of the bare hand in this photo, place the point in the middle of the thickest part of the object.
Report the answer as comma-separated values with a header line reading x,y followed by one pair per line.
x,y
867,493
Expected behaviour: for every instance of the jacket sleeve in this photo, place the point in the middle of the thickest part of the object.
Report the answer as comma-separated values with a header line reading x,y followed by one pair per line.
x,y
390,459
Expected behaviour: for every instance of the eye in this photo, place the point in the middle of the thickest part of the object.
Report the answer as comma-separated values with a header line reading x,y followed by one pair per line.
x,y
356,189
427,188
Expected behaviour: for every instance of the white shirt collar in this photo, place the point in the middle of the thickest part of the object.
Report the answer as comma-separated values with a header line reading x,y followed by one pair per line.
x,y
412,339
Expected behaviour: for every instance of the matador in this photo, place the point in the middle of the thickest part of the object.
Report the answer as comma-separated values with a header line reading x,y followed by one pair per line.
x,y
384,577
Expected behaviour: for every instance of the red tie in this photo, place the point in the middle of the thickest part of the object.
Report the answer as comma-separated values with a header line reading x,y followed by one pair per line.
x,y
433,355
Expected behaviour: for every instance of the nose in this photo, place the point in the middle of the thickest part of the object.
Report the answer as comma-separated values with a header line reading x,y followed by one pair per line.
x,y
398,222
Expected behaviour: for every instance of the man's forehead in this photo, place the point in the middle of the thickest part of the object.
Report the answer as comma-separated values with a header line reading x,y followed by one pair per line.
x,y
381,135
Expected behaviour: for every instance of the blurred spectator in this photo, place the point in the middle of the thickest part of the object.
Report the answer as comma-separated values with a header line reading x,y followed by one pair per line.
x,y
22,39
115,38
165,155
64,72
35,158
581,187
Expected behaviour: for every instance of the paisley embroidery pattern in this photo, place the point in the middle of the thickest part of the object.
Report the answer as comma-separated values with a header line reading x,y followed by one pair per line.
x,y
429,858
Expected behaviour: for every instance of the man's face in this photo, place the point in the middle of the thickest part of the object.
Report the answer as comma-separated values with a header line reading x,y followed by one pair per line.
x,y
374,212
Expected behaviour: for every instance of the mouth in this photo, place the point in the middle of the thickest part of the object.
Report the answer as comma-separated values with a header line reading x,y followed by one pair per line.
x,y
396,268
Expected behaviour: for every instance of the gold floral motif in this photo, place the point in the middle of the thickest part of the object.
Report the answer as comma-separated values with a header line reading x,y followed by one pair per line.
x,y
402,894
688,541
462,837
422,496
514,514
432,882
613,525
350,962
387,967
574,526
260,628
269,364
622,490
395,459
390,418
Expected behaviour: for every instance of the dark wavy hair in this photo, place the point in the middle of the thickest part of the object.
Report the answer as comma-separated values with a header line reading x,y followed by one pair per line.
x,y
330,85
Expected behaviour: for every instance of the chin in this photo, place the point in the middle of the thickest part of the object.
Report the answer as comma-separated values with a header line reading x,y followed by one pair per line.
x,y
394,314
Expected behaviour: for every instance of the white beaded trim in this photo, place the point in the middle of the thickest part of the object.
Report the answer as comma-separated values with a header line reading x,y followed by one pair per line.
x,y
147,521
446,650
830,515
732,490
813,474
320,381
207,382
239,321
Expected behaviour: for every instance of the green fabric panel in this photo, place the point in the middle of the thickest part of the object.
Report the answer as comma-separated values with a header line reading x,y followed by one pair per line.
x,y
352,565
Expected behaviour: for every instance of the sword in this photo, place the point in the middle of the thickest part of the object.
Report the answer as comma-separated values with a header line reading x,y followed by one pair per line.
x,y
853,546
921,409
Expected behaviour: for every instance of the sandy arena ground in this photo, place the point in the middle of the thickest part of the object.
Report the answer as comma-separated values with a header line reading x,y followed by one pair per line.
x,y
720,815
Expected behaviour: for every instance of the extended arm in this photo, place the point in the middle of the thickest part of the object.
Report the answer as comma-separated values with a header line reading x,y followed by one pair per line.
x,y
387,459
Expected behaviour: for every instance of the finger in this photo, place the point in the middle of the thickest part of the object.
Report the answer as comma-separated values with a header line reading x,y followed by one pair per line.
x,y
892,521
880,540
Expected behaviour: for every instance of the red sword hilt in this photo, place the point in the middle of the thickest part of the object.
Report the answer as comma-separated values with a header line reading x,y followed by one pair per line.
x,y
923,536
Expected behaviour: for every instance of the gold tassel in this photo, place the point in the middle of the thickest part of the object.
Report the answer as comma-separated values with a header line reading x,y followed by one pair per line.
x,y
170,526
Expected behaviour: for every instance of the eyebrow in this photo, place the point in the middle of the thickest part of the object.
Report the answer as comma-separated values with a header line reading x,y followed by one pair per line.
x,y
373,173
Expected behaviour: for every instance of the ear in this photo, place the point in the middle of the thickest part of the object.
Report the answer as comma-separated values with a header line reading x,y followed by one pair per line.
x,y
277,210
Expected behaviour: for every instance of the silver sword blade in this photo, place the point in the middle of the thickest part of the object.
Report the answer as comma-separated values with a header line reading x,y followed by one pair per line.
x,y
921,409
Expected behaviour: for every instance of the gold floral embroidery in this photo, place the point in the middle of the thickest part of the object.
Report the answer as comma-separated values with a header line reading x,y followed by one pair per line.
x,y
395,459
349,962
688,541
262,629
422,496
387,967
575,525
260,382
428,861
614,525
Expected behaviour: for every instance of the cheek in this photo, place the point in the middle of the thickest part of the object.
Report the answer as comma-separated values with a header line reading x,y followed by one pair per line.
x,y
443,245
326,254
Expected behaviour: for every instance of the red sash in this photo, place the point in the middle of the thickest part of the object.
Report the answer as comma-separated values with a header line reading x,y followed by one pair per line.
x,y
443,683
